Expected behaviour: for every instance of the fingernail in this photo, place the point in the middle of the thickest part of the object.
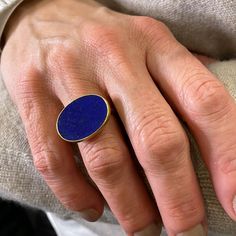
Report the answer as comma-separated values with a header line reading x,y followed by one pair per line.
x,y
196,231
90,215
151,230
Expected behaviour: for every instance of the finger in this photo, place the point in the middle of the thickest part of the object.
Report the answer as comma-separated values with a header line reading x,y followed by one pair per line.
x,y
53,157
206,106
160,144
109,164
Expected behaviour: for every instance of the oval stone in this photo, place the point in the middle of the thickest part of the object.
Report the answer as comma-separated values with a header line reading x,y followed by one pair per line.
x,y
82,118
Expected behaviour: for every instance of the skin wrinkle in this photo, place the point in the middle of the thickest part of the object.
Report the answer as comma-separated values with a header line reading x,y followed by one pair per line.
x,y
110,50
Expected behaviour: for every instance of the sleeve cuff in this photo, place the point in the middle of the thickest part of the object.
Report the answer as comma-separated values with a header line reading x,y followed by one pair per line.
x,y
7,7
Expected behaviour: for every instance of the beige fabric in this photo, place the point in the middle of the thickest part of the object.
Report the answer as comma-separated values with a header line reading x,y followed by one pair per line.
x,y
205,26
7,7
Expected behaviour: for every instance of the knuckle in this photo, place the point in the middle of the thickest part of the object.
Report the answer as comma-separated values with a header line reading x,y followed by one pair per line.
x,y
104,160
61,55
205,97
183,208
106,46
165,156
146,23
47,163
101,39
163,141
156,32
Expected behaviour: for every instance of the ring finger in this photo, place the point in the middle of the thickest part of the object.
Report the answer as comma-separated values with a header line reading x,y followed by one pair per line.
x,y
109,164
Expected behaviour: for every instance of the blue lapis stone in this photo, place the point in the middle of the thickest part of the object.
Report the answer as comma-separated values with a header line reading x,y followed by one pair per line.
x,y
82,118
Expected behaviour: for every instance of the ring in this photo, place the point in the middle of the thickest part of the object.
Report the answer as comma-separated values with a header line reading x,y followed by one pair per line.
x,y
83,118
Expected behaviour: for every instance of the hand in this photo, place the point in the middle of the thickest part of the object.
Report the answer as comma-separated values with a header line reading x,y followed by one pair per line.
x,y
59,50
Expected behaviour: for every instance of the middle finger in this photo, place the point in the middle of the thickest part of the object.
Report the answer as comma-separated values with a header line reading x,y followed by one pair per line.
x,y
109,164
161,146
